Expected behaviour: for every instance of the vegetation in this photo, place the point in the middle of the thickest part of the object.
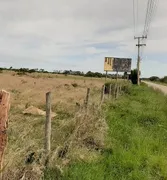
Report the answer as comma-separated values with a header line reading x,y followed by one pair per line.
x,y
24,71
133,76
157,79
126,140
136,141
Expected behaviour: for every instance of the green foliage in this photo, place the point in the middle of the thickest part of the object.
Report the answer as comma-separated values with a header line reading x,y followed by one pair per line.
x,y
52,174
21,73
107,87
133,76
137,139
164,79
154,78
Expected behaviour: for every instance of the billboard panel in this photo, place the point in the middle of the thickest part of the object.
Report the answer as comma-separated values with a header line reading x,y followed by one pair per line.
x,y
108,64
117,64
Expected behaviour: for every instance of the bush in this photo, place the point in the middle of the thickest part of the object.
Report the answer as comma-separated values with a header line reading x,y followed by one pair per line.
x,y
133,76
164,80
107,87
154,78
21,73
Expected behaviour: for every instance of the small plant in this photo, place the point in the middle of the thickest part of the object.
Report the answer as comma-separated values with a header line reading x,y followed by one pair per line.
x,y
21,73
15,91
23,81
74,85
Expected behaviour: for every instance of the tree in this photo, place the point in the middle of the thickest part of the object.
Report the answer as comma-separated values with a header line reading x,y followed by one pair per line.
x,y
154,78
97,74
164,79
133,76
89,74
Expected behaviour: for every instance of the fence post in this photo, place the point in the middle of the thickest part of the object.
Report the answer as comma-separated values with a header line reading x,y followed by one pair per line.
x,y
48,128
4,109
117,91
120,89
109,95
87,98
102,94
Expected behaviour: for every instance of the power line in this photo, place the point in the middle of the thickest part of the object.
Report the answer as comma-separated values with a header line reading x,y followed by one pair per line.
x,y
149,17
147,13
137,14
150,13
134,21
151,9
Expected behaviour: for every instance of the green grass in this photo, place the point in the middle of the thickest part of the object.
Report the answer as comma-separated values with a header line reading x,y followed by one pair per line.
x,y
136,146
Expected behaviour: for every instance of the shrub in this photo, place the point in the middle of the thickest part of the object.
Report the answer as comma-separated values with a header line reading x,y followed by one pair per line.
x,y
74,84
21,73
133,76
164,79
154,78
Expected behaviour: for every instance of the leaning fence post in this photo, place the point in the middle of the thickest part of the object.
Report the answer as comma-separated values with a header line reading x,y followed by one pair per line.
x,y
102,94
87,98
4,109
48,128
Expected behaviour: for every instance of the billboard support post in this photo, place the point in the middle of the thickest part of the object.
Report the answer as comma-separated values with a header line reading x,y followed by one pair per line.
x,y
106,76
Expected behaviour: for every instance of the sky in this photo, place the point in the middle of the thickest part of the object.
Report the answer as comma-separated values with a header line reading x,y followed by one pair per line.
x,y
77,35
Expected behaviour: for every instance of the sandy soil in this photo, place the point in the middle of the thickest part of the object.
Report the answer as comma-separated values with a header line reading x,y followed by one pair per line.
x,y
160,87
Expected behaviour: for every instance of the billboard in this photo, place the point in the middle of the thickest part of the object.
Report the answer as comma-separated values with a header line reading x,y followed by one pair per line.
x,y
117,64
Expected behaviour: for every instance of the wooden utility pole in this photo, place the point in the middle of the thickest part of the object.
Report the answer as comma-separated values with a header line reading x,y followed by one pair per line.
x,y
138,57
48,127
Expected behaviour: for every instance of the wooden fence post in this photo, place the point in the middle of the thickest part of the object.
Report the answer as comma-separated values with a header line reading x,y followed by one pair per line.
x,y
48,128
102,94
109,95
87,98
4,109
120,89
115,91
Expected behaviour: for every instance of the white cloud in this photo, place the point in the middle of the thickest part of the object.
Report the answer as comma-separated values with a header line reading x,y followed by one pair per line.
x,y
74,34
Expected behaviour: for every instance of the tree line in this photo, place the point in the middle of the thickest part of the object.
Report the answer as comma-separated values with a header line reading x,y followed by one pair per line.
x,y
22,71
156,79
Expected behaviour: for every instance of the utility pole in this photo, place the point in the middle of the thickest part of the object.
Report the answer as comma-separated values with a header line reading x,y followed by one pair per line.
x,y
138,59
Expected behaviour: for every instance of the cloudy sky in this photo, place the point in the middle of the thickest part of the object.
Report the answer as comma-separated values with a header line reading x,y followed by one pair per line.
x,y
77,35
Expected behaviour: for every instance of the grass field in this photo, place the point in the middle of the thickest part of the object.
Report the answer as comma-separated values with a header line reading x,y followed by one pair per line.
x,y
125,140
136,141
26,132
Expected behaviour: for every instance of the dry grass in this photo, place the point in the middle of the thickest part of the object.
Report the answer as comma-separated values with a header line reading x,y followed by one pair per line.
x,y
27,89
75,133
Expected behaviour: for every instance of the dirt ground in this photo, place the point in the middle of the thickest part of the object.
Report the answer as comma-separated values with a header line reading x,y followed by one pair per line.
x,y
31,89
160,87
